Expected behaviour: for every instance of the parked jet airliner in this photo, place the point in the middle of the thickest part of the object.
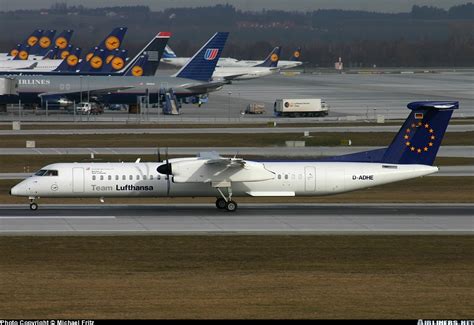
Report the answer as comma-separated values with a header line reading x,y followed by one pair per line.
x,y
411,154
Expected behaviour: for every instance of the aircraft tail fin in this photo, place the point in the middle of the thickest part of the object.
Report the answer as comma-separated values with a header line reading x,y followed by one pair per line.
x,y
168,53
30,41
202,65
418,140
420,137
71,62
23,52
138,68
63,39
272,59
295,56
44,43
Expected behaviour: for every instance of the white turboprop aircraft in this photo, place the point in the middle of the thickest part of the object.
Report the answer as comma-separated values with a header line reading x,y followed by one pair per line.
x,y
410,155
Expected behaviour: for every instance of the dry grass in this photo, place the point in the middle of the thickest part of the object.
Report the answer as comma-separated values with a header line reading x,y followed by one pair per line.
x,y
420,190
142,277
215,140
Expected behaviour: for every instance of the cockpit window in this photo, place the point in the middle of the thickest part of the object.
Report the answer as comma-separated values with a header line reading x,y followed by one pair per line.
x,y
46,172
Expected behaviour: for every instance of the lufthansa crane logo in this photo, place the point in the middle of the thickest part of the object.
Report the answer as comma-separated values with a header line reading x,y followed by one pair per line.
x,y
32,40
137,71
61,42
89,56
65,54
274,57
72,60
45,42
14,52
109,58
296,54
117,63
429,134
112,43
96,62
23,55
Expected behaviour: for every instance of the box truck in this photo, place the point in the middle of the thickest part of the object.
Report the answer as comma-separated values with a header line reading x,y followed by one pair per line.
x,y
311,107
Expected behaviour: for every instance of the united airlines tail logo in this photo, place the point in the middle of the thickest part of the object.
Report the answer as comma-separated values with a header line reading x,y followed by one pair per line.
x,y
211,54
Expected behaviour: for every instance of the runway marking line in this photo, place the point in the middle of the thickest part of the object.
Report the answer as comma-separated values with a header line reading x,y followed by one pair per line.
x,y
58,217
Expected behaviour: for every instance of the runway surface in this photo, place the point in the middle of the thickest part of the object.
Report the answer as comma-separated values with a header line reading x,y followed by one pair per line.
x,y
300,129
444,151
355,96
250,218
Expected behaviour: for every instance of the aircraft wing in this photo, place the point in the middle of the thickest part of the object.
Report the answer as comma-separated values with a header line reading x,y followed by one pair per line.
x,y
204,87
212,168
92,92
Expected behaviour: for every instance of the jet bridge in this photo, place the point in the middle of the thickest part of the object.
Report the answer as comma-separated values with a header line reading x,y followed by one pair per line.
x,y
8,86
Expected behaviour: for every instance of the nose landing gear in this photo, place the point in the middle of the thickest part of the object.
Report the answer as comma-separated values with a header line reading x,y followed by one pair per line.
x,y
33,205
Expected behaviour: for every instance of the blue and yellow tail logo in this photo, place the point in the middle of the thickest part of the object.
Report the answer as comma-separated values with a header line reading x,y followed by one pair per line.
x,y
72,60
32,40
118,63
45,42
61,42
296,54
274,57
64,54
96,62
427,132
14,52
137,71
112,43
23,55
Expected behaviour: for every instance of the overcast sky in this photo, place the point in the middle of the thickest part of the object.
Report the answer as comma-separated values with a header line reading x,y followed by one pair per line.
x,y
367,5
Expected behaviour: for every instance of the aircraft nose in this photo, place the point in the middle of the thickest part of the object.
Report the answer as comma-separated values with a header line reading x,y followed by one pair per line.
x,y
19,189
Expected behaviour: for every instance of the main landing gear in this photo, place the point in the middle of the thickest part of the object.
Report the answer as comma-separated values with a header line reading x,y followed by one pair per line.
x,y
226,202
33,205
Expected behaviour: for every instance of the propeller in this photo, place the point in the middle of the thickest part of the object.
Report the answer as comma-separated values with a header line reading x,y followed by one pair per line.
x,y
165,169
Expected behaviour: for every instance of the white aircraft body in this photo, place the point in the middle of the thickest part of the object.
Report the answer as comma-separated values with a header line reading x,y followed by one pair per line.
x,y
36,65
410,155
242,73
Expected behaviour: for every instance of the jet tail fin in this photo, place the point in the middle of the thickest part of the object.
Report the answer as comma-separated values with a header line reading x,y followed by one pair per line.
x,y
168,53
418,140
202,65
272,59
420,137
44,43
296,55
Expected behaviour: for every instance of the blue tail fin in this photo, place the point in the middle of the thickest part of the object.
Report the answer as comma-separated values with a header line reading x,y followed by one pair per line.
x,y
30,40
71,62
272,59
138,68
418,140
420,137
44,44
62,54
202,65
63,39
23,53
296,55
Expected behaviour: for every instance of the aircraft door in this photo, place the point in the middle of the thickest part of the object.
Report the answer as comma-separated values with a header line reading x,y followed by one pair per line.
x,y
78,180
310,179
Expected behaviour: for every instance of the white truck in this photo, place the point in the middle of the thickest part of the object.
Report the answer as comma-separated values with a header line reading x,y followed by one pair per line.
x,y
306,107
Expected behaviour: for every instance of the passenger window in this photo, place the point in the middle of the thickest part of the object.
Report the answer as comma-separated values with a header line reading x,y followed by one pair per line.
x,y
130,177
110,177
144,177
286,176
279,176
124,177
93,177
158,177
117,177
138,177
101,177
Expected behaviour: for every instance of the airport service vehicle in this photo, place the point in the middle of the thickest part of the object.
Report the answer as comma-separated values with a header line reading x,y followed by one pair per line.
x,y
411,154
300,107
192,80
255,109
89,108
